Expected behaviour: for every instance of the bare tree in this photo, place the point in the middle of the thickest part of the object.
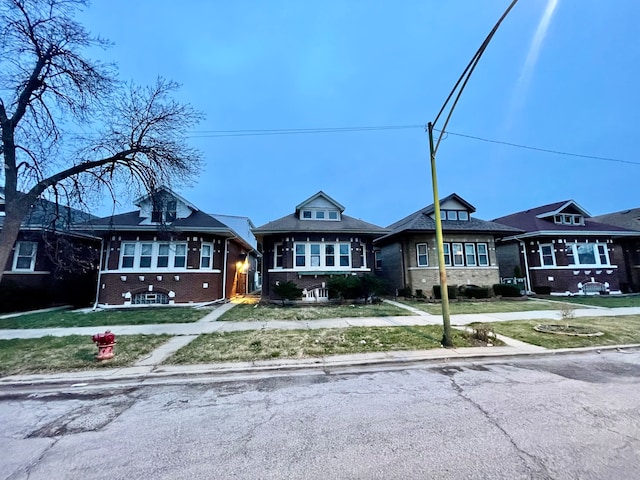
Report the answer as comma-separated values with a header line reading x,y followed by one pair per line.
x,y
69,127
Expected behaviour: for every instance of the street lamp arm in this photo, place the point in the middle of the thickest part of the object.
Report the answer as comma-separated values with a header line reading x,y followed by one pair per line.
x,y
466,74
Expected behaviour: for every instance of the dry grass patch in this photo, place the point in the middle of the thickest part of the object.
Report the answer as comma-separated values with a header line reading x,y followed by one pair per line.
x,y
619,330
494,306
73,352
107,317
261,313
269,344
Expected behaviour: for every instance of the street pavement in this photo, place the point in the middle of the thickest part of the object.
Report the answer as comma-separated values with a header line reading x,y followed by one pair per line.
x,y
184,333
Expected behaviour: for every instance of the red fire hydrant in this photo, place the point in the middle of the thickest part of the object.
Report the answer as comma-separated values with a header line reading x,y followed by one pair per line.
x,y
105,342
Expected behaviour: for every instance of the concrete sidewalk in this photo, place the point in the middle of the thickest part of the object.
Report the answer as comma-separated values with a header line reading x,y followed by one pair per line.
x,y
150,367
208,324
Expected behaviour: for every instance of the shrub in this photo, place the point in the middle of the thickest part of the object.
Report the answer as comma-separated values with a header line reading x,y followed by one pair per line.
x,y
345,287
475,292
505,290
542,290
404,292
451,289
483,332
287,291
419,293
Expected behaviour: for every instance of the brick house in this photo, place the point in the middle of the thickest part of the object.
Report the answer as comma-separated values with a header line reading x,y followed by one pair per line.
x,y
169,252
50,264
314,243
629,219
563,251
407,256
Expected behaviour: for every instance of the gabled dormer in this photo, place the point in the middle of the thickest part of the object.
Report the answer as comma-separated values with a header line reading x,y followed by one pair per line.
x,y
455,208
320,207
567,213
163,207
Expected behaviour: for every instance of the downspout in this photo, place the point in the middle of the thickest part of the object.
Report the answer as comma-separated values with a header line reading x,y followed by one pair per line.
x,y
95,305
526,263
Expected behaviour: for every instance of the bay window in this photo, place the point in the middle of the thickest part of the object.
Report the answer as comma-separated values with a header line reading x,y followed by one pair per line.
x,y
322,255
154,255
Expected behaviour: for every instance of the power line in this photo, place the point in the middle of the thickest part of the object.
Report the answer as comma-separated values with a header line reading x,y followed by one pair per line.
x,y
538,149
306,131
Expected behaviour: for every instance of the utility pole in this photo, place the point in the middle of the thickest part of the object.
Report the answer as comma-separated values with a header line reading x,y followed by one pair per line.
x,y
447,339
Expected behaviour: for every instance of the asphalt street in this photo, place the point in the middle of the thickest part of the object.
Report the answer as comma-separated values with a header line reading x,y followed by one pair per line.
x,y
554,417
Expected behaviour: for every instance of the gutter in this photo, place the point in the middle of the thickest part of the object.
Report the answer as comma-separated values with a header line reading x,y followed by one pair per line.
x,y
526,262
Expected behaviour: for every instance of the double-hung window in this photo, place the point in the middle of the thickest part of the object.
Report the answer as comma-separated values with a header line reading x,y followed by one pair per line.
x,y
146,255
206,255
330,255
422,254
25,256
458,257
315,254
547,257
278,252
447,254
483,255
301,255
470,254
344,255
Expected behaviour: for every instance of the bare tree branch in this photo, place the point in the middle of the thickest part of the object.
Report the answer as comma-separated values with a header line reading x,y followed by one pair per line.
x,y
132,134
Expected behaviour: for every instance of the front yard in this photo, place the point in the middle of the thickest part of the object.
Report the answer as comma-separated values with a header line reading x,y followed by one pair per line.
x,y
617,330
494,306
607,301
73,352
270,344
107,317
258,312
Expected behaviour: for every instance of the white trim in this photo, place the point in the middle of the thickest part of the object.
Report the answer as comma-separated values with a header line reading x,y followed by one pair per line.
x,y
570,233
553,254
26,272
457,269
16,256
321,271
574,267
425,254
155,271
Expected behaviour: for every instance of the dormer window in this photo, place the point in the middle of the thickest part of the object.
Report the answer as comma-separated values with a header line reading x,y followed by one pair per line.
x,y
320,214
568,219
164,213
454,215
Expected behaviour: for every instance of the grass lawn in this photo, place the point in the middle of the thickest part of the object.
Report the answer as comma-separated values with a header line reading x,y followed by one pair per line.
x,y
617,330
261,313
133,316
269,344
74,352
456,307
608,301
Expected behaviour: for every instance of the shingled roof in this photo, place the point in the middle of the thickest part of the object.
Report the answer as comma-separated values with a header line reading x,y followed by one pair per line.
x,y
629,219
291,223
540,219
45,214
422,221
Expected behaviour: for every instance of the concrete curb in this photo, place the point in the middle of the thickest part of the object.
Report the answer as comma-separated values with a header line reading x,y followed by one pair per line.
x,y
19,385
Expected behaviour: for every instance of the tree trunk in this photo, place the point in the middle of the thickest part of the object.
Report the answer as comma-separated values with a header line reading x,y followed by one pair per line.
x,y
9,233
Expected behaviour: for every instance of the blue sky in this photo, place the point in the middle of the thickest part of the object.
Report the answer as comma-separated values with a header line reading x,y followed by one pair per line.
x,y
250,65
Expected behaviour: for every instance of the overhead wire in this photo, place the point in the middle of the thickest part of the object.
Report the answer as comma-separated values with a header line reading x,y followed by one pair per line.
x,y
306,131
